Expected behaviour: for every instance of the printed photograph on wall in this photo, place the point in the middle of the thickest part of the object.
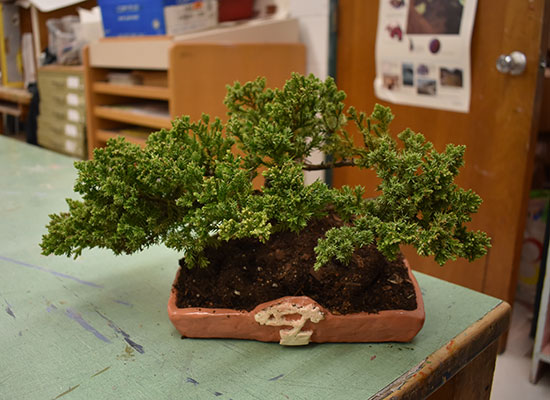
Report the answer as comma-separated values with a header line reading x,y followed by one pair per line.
x,y
423,69
429,41
391,75
408,74
427,87
435,16
391,82
450,77
397,3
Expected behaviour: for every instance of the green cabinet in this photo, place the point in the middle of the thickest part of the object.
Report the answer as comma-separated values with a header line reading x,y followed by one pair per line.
x,y
62,117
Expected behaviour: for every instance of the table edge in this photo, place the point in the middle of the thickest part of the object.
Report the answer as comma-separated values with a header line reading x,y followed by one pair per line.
x,y
444,363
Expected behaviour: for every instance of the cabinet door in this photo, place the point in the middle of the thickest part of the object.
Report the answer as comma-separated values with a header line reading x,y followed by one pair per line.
x,y
199,73
499,130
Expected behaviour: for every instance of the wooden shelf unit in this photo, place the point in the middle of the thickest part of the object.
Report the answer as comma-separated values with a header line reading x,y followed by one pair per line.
x,y
192,81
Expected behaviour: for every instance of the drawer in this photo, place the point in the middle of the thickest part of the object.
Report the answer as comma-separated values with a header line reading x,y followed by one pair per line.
x,y
63,113
62,128
58,98
61,143
61,81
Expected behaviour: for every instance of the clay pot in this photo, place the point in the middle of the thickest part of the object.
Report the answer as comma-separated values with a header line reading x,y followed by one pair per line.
x,y
297,321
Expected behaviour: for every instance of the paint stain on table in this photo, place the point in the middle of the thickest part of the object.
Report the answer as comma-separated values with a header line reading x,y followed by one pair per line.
x,y
100,372
78,318
51,307
450,346
124,303
66,392
128,354
9,311
50,271
191,380
127,339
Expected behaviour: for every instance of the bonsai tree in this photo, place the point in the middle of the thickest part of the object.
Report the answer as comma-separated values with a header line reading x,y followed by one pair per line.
x,y
192,186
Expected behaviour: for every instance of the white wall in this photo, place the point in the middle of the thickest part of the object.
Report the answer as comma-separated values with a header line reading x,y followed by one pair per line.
x,y
314,31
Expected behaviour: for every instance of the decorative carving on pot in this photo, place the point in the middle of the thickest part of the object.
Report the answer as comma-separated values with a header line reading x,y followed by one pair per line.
x,y
293,315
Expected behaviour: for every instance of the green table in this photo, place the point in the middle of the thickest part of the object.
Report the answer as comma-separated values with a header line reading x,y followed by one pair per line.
x,y
96,327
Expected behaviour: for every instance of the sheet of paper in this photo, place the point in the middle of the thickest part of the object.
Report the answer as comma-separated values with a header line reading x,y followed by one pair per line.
x,y
423,53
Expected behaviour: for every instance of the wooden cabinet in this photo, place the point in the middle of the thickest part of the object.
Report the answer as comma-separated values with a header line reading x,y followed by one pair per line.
x,y
499,131
137,86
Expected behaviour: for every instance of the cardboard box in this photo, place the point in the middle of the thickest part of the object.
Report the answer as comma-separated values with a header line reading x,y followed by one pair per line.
x,y
157,17
532,251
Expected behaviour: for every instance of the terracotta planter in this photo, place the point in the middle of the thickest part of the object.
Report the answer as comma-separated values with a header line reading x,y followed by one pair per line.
x,y
298,321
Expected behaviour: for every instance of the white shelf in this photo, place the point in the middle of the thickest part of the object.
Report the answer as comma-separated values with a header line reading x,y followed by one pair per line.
x,y
541,350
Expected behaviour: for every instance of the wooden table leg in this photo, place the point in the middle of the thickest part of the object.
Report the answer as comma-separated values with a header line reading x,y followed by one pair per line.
x,y
472,382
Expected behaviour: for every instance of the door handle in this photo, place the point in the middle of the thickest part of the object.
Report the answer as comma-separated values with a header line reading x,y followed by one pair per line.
x,y
513,63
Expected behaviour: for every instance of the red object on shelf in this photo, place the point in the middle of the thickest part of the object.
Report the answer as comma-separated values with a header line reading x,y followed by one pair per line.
x,y
232,10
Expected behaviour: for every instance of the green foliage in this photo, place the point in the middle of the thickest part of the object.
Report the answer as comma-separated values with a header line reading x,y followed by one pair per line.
x,y
191,186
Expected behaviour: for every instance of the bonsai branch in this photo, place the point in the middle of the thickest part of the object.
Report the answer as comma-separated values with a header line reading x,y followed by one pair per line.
x,y
330,165
195,179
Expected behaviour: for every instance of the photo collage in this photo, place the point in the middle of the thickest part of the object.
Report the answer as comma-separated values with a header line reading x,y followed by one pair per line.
x,y
423,52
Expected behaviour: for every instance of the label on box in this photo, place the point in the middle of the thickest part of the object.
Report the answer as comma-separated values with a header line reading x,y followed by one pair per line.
x,y
71,130
72,99
70,146
193,16
73,115
73,82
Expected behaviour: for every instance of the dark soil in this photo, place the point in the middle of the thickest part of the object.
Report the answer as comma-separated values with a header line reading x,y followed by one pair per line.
x,y
245,273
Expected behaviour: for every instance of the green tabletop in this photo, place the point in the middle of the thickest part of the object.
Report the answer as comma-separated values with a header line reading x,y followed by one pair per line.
x,y
97,327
